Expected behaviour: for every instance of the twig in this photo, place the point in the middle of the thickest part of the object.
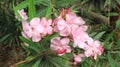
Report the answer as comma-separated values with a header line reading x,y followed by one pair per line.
x,y
24,61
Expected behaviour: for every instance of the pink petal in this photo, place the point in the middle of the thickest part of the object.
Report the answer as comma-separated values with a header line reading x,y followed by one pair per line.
x,y
95,56
43,21
96,43
25,35
25,26
39,29
65,41
78,21
70,17
65,32
61,24
23,14
84,36
55,29
90,41
56,41
88,53
54,47
55,22
27,30
49,30
83,28
78,58
36,37
82,44
68,48
35,22
49,22
75,44
61,51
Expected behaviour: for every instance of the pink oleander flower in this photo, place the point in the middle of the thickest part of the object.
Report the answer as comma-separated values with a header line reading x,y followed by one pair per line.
x,y
23,14
93,49
80,36
26,29
32,30
37,29
60,46
66,26
72,18
63,28
46,26
78,58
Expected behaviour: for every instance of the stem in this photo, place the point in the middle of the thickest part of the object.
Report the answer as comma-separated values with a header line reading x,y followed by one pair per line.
x,y
93,15
24,61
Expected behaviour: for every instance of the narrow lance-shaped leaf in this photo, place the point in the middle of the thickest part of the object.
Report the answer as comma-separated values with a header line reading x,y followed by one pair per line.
x,y
36,64
109,37
5,37
31,9
22,5
49,11
112,14
111,60
32,45
99,35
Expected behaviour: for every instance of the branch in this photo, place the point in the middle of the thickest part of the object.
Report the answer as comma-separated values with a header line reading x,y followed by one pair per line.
x,y
92,15
21,62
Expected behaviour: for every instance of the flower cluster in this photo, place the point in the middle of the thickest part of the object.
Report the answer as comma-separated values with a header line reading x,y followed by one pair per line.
x,y
36,29
70,28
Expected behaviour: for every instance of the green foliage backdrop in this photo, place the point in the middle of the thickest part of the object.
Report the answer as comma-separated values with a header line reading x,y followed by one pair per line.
x,y
96,13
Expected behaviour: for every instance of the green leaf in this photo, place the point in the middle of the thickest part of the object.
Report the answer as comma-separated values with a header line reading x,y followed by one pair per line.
x,y
107,2
49,11
5,37
110,45
92,34
112,62
42,2
68,56
109,37
84,1
118,24
33,49
118,41
26,40
41,12
31,9
30,57
63,3
99,35
112,14
59,62
22,5
36,64
51,36
32,45
90,8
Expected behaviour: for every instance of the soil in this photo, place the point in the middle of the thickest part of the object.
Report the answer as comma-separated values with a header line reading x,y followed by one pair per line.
x,y
10,56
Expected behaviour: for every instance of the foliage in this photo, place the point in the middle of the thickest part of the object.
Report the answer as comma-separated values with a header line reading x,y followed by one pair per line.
x,y
51,8
9,25
39,54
